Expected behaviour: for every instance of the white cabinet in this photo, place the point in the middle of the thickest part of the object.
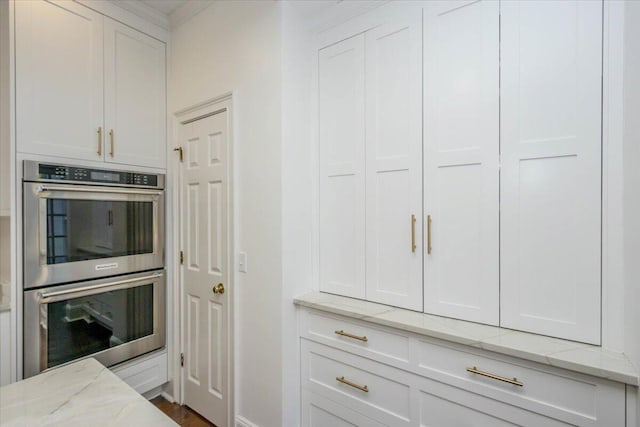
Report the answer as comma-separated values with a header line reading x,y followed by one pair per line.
x,y
378,72
551,106
393,162
59,79
88,87
134,96
461,172
342,179
5,348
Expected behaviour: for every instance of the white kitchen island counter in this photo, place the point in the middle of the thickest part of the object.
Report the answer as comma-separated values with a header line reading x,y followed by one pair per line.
x,y
83,393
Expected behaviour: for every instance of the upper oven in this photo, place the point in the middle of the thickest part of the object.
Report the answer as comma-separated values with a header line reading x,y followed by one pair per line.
x,y
82,223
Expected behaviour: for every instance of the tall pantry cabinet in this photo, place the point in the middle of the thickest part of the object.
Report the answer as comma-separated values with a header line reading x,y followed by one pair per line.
x,y
87,86
477,196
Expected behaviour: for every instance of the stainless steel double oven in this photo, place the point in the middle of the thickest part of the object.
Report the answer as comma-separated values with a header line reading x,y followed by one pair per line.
x,y
94,281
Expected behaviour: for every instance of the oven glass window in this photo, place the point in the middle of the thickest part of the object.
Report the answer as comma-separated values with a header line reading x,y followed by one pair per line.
x,y
81,326
79,230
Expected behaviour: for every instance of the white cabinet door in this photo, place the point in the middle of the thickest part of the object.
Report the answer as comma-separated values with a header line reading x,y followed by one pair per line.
x,y
551,60
342,127
58,79
318,411
135,101
461,177
394,162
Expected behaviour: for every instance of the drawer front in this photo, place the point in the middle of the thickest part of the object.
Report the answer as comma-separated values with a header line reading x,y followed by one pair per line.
x,y
363,385
355,336
575,399
318,411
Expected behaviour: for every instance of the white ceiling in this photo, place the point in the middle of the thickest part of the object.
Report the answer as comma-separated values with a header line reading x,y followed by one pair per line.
x,y
166,7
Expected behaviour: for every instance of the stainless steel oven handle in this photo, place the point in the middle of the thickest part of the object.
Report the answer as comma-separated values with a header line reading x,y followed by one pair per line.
x,y
44,297
79,188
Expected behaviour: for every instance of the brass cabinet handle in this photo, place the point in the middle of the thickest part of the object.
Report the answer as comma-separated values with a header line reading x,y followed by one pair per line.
x,y
100,141
355,337
354,385
218,289
513,381
429,234
413,233
111,140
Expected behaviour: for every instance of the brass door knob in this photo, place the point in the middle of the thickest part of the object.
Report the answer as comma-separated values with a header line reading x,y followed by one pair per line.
x,y
218,289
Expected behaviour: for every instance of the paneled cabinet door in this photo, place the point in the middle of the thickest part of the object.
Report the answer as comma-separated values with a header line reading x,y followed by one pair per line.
x,y
461,143
551,61
342,127
394,161
58,79
135,101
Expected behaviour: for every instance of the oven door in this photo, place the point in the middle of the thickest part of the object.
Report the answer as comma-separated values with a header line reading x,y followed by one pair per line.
x,y
112,320
74,232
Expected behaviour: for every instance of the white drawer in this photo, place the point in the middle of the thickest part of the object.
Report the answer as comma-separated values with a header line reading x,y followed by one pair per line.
x,y
573,398
368,387
359,337
318,411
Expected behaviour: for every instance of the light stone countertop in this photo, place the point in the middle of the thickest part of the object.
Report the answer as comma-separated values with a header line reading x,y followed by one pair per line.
x,y
5,297
570,355
81,394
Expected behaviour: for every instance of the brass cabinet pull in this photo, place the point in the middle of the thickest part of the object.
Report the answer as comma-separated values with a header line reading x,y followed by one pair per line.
x,y
349,383
513,381
413,233
100,141
355,337
111,140
429,234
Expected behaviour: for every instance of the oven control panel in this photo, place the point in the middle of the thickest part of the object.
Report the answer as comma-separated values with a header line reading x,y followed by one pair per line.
x,y
99,176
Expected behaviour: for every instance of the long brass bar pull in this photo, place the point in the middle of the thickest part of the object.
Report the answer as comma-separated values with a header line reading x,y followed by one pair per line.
x,y
413,233
513,381
100,141
354,385
348,335
111,141
429,234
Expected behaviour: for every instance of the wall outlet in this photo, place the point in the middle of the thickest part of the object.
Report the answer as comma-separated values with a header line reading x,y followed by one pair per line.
x,y
242,262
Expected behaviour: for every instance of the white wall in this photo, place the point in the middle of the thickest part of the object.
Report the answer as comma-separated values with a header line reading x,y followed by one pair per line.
x,y
632,180
236,47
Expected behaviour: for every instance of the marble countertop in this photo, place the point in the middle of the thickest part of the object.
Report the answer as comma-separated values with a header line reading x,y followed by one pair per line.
x,y
5,297
83,393
570,355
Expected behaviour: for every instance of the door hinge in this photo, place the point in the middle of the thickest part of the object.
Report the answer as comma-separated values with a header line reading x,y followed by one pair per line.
x,y
181,359
179,150
181,257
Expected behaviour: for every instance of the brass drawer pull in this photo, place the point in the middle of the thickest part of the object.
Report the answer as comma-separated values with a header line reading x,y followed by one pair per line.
x,y
513,381
428,234
413,233
355,337
349,383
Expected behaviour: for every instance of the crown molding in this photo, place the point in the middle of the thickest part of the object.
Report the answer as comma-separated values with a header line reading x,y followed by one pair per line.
x,y
145,12
187,11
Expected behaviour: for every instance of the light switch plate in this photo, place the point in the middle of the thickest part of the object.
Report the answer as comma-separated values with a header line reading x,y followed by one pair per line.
x,y
242,262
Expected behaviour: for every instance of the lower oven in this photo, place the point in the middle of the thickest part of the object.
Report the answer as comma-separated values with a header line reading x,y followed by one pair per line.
x,y
112,320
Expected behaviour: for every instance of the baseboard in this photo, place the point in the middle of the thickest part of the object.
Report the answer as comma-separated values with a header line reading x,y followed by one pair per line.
x,y
153,393
168,397
243,422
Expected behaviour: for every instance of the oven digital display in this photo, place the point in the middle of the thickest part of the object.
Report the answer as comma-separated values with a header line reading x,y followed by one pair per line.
x,y
105,176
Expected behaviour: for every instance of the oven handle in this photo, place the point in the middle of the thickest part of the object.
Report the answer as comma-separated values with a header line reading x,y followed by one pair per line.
x,y
45,297
78,188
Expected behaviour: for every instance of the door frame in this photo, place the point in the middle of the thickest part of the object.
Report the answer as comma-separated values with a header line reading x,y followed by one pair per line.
x,y
198,111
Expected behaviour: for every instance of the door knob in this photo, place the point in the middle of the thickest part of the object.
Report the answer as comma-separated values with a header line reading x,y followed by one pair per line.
x,y
218,289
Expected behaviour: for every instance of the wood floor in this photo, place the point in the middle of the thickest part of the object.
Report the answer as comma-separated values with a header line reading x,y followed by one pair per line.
x,y
182,415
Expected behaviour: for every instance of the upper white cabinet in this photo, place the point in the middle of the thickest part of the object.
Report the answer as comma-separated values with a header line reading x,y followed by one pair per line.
x,y
394,162
342,170
551,106
461,171
88,87
134,96
59,79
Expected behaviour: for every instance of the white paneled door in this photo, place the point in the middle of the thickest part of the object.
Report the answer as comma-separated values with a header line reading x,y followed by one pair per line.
x,y
461,175
134,94
551,104
59,70
204,217
394,161
342,128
